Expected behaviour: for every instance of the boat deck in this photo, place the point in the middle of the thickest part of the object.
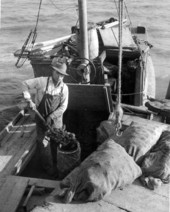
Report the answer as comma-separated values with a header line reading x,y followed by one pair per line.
x,y
17,146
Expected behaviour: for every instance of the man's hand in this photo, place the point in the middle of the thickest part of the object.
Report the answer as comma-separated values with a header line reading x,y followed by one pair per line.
x,y
49,121
31,104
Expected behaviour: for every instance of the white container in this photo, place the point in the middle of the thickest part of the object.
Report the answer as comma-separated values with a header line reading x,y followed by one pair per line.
x,y
93,43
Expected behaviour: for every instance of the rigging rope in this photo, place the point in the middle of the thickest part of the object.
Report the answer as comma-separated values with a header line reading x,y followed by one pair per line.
x,y
129,94
29,42
38,15
120,51
116,6
118,109
36,26
52,2
128,14
68,8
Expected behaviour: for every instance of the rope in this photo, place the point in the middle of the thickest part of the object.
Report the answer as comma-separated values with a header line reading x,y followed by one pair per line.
x,y
115,36
129,94
120,50
68,8
128,14
38,15
118,109
116,6
36,25
23,50
29,41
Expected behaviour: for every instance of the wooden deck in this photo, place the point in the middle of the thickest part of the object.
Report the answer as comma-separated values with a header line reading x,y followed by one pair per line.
x,y
134,198
17,145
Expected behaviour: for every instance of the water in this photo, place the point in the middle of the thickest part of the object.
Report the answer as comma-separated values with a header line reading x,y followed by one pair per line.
x,y
18,17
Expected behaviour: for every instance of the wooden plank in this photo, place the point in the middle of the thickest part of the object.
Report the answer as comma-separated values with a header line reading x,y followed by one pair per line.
x,y
11,194
57,205
163,190
137,198
83,207
87,97
44,183
14,187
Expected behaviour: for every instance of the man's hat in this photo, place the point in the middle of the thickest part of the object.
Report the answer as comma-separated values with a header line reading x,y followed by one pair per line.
x,y
59,67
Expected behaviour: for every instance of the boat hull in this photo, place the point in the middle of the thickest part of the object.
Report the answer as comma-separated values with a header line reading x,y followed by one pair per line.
x,y
12,188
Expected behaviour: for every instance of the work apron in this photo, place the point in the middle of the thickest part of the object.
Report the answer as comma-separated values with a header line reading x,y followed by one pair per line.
x,y
46,147
48,105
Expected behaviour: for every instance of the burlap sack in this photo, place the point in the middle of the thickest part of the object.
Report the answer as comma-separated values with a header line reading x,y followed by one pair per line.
x,y
157,161
105,130
106,169
139,138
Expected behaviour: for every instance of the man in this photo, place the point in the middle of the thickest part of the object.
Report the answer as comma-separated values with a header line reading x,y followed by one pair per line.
x,y
51,100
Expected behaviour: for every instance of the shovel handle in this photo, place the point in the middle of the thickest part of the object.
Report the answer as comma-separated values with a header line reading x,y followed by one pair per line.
x,y
24,104
41,117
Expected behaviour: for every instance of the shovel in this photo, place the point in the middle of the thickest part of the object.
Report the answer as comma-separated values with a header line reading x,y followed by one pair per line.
x,y
24,105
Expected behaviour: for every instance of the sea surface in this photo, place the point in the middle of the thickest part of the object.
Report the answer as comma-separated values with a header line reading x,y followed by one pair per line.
x,y
18,17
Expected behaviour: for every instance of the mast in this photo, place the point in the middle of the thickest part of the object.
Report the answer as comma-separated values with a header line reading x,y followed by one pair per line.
x,y
84,53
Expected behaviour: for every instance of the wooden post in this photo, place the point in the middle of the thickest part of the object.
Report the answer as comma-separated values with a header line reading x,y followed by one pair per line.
x,y
84,36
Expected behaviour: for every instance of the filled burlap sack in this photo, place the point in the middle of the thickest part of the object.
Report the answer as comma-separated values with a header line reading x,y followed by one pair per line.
x,y
105,130
139,138
106,169
157,162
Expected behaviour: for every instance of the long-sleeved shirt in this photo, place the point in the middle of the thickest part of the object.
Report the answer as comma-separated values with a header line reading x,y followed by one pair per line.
x,y
39,85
